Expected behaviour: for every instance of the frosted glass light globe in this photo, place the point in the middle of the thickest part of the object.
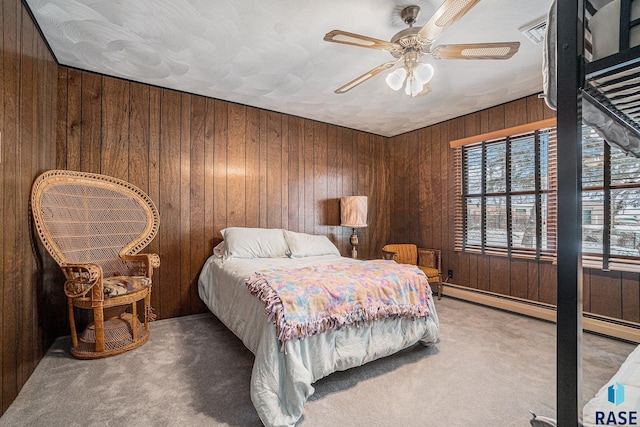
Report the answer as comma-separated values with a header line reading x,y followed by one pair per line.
x,y
423,73
396,78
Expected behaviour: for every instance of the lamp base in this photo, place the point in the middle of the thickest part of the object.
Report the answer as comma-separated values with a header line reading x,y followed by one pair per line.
x,y
354,243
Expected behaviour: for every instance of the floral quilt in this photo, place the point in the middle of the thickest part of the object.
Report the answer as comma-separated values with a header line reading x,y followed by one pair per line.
x,y
307,301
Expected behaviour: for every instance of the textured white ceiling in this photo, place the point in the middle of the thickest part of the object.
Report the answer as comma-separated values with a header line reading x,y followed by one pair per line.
x,y
270,54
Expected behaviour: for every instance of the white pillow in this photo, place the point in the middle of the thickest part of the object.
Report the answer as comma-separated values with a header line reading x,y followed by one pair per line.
x,y
303,245
243,242
218,251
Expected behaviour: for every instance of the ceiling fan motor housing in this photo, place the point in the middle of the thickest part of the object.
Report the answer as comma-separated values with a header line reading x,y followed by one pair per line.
x,y
409,39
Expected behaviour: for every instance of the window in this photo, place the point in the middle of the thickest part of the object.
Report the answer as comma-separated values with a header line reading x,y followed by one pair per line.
x,y
611,195
506,198
507,195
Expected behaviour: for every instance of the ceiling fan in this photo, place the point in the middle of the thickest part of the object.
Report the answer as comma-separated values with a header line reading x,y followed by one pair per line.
x,y
411,43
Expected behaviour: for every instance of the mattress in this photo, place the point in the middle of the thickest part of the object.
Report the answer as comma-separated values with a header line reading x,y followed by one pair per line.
x,y
605,29
281,381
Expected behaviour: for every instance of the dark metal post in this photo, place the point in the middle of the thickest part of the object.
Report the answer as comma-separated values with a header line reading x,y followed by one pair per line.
x,y
569,272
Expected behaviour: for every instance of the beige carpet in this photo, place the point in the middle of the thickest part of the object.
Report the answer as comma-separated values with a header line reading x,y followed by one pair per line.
x,y
489,369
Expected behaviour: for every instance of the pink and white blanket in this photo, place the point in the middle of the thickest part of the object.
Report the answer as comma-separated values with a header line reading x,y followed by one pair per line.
x,y
310,300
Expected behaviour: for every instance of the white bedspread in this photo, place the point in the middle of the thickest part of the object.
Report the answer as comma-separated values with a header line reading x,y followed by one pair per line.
x,y
281,382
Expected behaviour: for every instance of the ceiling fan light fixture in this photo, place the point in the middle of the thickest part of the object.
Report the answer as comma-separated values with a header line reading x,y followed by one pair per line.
x,y
396,78
423,73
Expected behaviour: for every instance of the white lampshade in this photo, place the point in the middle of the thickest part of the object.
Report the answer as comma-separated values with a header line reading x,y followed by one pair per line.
x,y
423,73
353,211
396,78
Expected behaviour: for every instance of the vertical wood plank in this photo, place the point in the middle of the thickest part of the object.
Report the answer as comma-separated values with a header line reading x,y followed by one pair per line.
x,y
446,180
309,196
155,118
519,279
461,276
425,177
630,297
115,133
348,185
516,113
169,234
25,130
62,113
197,185
332,218
380,231
28,121
252,180
284,182
74,119
484,273
263,168
220,130
273,170
547,283
532,281
496,118
91,113
236,168
473,271
139,141
319,177
185,205
295,159
606,293
535,109
586,290
438,190
11,84
500,275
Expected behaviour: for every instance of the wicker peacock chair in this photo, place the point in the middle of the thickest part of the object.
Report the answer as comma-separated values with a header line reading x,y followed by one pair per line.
x,y
94,226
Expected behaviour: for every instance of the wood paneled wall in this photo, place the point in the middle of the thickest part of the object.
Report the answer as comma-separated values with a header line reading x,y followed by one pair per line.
x,y
27,147
422,212
210,164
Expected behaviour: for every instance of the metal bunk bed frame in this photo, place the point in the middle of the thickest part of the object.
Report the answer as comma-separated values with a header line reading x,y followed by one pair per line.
x,y
595,80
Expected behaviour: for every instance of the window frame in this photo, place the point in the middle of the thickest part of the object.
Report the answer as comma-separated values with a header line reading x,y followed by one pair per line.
x,y
604,261
507,137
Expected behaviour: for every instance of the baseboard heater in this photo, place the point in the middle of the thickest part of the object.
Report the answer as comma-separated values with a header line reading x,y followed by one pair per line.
x,y
616,328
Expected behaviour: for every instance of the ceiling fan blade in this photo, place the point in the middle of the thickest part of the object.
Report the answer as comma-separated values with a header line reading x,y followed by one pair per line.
x,y
344,37
448,13
366,76
476,51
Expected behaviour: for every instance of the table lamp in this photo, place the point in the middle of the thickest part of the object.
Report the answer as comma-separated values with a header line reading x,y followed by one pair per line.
x,y
353,213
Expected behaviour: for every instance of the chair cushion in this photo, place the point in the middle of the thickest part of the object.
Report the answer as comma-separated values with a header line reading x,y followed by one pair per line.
x,y
120,285
431,273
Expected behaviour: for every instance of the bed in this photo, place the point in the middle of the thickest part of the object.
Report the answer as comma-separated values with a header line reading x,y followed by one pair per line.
x,y
609,73
599,63
284,370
